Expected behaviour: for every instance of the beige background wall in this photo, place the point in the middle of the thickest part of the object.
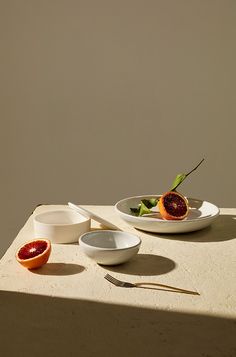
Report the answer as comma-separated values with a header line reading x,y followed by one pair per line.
x,y
100,100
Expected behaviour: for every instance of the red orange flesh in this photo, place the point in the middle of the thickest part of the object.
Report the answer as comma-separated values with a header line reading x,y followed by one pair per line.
x,y
173,206
34,254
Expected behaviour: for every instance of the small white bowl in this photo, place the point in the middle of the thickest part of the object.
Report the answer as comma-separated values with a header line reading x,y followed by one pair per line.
x,y
108,247
61,226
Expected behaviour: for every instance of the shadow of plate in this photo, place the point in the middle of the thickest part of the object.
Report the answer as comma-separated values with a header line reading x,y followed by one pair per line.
x,y
223,229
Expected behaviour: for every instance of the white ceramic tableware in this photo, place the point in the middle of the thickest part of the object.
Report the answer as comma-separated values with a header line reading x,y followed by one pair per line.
x,y
109,247
92,215
61,226
201,215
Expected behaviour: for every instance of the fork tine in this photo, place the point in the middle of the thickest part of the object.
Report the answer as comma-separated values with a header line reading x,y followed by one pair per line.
x,y
112,279
117,282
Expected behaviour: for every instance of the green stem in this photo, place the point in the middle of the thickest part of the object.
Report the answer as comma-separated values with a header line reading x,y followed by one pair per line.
x,y
195,168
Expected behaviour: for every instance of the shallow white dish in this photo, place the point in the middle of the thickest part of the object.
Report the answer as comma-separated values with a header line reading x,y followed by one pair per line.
x,y
201,215
109,247
61,226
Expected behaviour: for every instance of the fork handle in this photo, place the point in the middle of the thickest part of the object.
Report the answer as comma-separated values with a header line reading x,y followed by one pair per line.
x,y
142,285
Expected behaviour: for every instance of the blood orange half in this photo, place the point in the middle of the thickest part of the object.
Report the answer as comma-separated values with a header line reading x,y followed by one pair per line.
x,y
173,206
34,254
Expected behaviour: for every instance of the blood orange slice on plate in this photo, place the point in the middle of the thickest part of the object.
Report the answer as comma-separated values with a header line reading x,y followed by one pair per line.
x,y
34,254
173,206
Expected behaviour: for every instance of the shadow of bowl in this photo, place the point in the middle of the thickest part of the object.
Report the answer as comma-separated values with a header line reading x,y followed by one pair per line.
x,y
59,269
223,229
144,264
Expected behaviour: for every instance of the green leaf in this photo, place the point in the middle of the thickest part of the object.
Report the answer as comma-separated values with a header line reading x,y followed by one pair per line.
x,y
144,206
152,202
181,177
143,209
177,181
135,211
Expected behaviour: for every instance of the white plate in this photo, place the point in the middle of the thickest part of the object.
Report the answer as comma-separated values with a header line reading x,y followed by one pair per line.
x,y
201,215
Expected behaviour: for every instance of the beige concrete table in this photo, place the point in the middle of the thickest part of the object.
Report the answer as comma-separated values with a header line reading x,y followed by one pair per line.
x,y
67,308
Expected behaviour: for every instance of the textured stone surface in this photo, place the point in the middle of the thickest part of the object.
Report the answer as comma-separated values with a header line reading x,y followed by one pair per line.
x,y
72,288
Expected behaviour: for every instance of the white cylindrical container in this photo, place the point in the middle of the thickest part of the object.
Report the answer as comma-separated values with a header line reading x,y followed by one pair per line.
x,y
61,226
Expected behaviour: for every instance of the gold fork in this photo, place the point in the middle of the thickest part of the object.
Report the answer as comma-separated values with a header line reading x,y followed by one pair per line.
x,y
126,284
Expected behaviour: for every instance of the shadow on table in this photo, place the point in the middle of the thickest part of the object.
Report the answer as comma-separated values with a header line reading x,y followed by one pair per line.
x,y
56,327
59,269
224,228
144,264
